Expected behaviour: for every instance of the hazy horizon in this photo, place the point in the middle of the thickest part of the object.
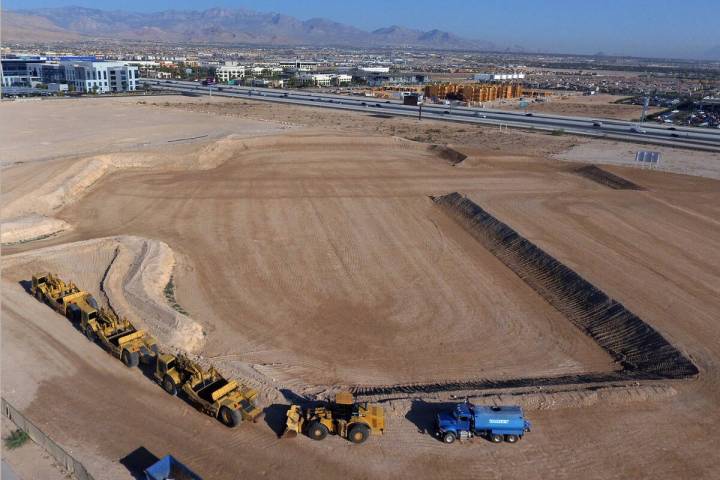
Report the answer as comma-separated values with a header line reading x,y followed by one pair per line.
x,y
661,28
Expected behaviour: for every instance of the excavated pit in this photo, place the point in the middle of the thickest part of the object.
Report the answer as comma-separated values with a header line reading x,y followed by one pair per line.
x,y
642,352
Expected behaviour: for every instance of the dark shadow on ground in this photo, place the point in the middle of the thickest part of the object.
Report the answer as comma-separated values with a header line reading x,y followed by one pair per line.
x,y
275,416
137,461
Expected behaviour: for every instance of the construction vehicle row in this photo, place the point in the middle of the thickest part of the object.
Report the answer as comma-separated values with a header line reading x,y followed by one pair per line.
x,y
206,389
232,403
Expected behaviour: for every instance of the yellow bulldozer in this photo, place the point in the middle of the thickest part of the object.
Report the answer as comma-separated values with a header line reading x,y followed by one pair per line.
x,y
119,337
228,401
65,298
344,417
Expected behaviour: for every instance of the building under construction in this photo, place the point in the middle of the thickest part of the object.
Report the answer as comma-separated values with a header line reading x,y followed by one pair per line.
x,y
473,92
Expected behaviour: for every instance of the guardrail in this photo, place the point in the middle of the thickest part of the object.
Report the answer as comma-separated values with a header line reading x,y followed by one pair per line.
x,y
70,463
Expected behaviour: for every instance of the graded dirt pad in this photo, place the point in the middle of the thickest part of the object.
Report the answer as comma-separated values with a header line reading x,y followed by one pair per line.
x,y
320,251
291,236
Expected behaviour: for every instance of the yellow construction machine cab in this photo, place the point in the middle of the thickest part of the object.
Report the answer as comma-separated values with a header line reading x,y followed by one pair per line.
x,y
37,280
165,365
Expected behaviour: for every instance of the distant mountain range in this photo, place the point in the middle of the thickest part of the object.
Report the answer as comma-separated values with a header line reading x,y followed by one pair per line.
x,y
216,25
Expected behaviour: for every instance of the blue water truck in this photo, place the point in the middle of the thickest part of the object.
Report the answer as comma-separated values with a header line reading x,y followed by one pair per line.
x,y
496,423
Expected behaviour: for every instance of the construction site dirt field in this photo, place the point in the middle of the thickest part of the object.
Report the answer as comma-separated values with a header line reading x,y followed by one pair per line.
x,y
304,260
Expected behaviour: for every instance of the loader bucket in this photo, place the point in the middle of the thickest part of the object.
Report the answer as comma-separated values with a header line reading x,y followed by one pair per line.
x,y
294,422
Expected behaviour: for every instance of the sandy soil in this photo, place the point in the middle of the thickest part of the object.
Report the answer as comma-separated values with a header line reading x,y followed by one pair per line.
x,y
319,258
601,106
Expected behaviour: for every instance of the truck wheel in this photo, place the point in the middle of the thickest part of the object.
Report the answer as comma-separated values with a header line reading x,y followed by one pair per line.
x,y
317,431
496,438
39,296
511,438
449,437
229,417
130,359
169,385
359,433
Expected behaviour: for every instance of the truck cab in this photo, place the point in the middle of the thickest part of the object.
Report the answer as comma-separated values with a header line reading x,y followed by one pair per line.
x,y
496,423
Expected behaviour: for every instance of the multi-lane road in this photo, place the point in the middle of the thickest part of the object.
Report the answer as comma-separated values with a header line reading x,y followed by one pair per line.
x,y
695,138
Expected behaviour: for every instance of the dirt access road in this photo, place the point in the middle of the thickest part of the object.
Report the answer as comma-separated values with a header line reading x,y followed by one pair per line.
x,y
276,231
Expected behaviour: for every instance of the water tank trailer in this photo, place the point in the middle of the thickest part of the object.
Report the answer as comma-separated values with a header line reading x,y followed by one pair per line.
x,y
496,423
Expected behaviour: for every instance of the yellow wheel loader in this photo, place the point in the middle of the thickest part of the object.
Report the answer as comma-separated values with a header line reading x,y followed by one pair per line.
x,y
119,337
344,417
207,390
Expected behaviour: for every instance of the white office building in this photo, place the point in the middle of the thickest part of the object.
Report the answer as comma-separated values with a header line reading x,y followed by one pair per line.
x,y
100,77
225,73
497,77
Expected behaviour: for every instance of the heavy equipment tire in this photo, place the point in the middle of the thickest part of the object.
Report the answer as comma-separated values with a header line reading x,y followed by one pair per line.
x,y
449,437
496,438
511,438
229,417
154,348
39,296
317,431
358,433
130,359
90,334
169,385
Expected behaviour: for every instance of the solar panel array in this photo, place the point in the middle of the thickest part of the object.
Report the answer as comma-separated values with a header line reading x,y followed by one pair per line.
x,y
646,157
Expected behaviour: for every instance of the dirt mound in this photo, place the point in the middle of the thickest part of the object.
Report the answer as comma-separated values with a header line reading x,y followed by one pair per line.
x,y
446,153
641,352
603,177
639,348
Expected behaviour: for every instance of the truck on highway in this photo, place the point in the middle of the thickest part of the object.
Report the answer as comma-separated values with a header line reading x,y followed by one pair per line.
x,y
496,423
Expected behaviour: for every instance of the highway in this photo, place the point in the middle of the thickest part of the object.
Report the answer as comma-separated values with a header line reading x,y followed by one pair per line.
x,y
680,137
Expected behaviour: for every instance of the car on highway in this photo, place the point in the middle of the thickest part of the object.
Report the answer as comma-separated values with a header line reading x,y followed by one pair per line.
x,y
364,104
529,114
635,129
480,115
446,112
378,105
672,128
597,124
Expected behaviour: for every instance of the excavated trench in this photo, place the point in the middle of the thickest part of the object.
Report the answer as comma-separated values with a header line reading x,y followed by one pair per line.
x,y
603,177
641,352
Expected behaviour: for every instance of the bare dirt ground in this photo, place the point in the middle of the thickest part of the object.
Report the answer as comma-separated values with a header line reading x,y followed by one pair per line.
x,y
600,105
312,258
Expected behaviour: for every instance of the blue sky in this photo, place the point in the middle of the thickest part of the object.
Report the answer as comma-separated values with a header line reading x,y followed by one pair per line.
x,y
675,28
